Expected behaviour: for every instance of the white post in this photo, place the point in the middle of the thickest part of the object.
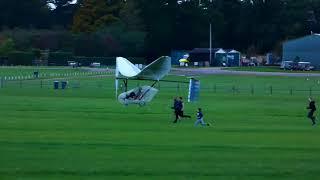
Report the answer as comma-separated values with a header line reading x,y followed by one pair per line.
x,y
210,45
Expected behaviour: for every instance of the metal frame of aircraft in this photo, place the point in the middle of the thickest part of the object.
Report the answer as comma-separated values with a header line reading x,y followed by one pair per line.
x,y
153,72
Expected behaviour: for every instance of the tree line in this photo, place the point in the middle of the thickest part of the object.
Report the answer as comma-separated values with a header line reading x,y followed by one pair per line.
x,y
150,29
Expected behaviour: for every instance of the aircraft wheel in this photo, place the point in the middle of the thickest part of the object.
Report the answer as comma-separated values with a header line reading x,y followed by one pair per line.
x,y
142,103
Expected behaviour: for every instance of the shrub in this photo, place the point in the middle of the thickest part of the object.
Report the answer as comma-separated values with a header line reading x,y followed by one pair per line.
x,y
20,58
60,58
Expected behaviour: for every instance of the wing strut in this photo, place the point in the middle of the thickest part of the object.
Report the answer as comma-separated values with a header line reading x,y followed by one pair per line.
x,y
125,81
148,90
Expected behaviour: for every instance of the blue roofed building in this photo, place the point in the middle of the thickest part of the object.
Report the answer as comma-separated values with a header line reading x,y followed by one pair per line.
x,y
303,49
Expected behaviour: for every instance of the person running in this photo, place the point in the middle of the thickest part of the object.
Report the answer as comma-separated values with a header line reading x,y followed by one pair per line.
x,y
312,108
176,108
181,110
200,119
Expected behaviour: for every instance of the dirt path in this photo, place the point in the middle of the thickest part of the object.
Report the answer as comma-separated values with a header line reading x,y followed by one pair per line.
x,y
219,71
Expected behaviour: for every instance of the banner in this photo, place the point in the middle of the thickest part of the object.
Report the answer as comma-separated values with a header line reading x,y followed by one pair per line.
x,y
194,90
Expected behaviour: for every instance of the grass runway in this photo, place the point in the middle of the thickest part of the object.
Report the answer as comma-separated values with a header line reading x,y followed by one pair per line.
x,y
83,133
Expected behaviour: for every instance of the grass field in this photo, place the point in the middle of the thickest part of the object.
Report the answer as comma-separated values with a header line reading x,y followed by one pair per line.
x,y
83,133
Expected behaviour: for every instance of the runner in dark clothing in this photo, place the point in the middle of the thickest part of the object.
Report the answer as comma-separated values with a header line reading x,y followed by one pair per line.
x,y
181,109
176,108
312,107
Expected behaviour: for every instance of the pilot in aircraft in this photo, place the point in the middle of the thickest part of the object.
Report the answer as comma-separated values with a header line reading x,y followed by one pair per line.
x,y
134,95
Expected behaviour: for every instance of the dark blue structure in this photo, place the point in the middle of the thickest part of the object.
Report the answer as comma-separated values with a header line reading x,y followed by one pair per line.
x,y
303,49
233,58
56,84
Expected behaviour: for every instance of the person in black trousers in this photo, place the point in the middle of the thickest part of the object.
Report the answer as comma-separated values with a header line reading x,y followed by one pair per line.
x,y
312,108
176,108
181,110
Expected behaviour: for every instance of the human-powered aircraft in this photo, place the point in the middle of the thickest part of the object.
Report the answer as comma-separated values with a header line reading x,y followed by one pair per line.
x,y
153,72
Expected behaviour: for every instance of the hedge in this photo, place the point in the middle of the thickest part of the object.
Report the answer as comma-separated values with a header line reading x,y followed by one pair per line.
x,y
86,61
60,58
20,58
108,61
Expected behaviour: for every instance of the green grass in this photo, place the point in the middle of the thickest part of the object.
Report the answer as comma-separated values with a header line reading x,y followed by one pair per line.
x,y
267,69
83,133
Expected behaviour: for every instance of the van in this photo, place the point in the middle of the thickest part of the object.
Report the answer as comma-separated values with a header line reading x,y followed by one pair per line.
x,y
305,66
286,65
95,64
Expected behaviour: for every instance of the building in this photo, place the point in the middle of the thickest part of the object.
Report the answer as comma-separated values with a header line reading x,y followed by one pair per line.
x,y
303,49
219,57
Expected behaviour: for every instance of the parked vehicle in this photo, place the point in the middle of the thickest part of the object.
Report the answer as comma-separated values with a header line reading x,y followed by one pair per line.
x,y
73,64
302,66
305,66
95,64
287,65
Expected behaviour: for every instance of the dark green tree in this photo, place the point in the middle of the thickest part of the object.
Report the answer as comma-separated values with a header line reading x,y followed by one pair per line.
x,y
6,47
95,14
130,15
24,14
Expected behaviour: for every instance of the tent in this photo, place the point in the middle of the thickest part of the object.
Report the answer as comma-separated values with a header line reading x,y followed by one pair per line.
x,y
233,58
220,57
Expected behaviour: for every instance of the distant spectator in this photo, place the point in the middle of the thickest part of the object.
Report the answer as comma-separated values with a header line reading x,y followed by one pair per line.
x,y
312,108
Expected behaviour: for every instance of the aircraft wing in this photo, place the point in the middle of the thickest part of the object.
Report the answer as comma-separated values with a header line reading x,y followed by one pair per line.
x,y
126,68
157,69
154,71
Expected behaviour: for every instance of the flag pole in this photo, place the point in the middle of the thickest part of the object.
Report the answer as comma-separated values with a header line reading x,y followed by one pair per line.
x,y
210,45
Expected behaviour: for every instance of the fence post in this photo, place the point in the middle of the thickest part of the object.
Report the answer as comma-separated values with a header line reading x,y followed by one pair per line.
x,y
271,90
178,88
252,90
233,89
1,82
310,91
291,91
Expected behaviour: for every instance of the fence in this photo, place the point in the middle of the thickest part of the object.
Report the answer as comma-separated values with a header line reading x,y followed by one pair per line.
x,y
44,77
79,80
54,75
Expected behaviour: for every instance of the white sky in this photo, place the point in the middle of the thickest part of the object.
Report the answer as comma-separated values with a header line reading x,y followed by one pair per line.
x,y
52,6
